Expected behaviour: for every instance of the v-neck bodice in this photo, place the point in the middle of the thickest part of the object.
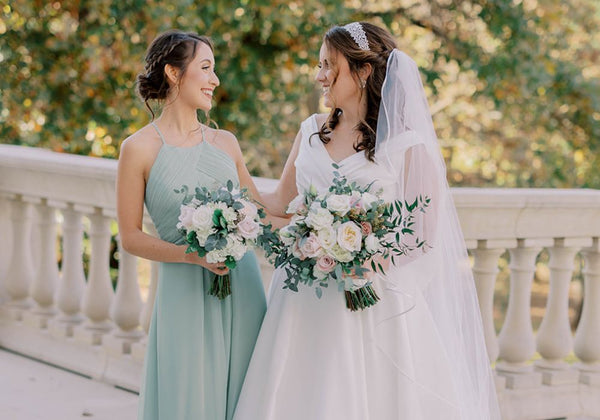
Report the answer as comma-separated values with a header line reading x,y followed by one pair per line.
x,y
314,165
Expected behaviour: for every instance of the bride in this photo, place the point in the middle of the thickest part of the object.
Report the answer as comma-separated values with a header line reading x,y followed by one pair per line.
x,y
419,353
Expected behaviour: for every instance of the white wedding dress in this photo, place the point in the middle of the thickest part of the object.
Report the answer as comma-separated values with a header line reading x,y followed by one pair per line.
x,y
317,360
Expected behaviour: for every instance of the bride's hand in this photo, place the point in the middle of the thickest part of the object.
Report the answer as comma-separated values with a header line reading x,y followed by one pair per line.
x,y
217,268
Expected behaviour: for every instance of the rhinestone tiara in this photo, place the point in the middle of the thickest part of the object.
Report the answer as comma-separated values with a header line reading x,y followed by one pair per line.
x,y
358,34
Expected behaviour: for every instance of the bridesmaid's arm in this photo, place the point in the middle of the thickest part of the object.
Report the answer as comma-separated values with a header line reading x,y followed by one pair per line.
x,y
247,182
135,156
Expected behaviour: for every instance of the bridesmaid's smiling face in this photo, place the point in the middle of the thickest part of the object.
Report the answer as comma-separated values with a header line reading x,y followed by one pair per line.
x,y
199,80
338,84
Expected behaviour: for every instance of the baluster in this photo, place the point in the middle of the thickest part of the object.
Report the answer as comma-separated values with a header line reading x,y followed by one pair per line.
x,y
98,293
20,270
126,308
554,337
5,245
138,350
72,281
146,315
587,338
485,271
46,277
516,340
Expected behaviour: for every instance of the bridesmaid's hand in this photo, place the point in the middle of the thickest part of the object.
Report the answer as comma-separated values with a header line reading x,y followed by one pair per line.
x,y
217,268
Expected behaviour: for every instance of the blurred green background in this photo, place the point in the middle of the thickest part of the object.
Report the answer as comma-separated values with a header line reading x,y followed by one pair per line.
x,y
514,85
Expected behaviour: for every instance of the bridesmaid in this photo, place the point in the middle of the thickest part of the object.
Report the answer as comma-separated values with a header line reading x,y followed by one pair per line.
x,y
199,346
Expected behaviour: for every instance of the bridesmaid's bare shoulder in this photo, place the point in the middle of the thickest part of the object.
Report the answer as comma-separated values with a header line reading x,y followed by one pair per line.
x,y
225,141
141,148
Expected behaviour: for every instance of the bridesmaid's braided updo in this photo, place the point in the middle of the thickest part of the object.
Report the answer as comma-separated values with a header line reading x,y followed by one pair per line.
x,y
173,47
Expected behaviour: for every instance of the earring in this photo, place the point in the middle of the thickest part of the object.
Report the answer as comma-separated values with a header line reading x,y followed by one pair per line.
x,y
363,83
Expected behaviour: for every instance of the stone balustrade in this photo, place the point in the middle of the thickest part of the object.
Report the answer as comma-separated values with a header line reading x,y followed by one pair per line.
x,y
51,203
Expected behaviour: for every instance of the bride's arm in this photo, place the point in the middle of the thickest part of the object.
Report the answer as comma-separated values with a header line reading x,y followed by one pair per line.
x,y
420,177
246,181
278,200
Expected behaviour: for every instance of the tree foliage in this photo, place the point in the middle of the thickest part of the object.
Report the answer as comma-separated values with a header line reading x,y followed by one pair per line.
x,y
71,68
513,84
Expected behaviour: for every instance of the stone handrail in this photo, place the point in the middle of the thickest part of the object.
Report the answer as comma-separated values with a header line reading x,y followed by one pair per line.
x,y
82,324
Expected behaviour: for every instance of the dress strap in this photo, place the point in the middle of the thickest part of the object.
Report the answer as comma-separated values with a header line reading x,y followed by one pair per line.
x,y
158,131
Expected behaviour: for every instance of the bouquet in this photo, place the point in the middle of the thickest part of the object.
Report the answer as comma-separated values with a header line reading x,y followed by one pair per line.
x,y
220,225
333,236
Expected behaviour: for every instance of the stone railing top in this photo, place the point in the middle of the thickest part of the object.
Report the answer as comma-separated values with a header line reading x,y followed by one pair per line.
x,y
485,213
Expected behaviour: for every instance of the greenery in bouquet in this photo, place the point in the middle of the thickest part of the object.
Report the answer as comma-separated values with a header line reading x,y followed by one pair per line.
x,y
340,236
221,225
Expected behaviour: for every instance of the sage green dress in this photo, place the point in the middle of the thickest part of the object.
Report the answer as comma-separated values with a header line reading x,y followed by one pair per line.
x,y
199,346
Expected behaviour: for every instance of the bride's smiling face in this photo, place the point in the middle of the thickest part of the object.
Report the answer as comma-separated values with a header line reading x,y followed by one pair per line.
x,y
339,86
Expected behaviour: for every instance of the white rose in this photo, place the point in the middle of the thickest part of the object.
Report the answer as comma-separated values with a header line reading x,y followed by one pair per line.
x,y
339,204
185,217
368,200
349,236
295,204
319,218
249,209
202,218
287,235
372,244
248,228
327,237
340,254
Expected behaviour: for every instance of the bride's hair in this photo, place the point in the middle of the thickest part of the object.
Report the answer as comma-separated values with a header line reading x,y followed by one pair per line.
x,y
381,44
173,47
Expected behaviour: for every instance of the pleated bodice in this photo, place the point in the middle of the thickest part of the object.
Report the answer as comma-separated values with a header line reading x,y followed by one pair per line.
x,y
202,165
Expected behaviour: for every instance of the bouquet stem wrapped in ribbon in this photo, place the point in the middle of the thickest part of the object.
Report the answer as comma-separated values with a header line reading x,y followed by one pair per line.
x,y
336,235
220,225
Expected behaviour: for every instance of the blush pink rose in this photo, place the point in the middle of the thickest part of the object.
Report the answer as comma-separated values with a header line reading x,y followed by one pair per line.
x,y
325,264
248,228
365,228
297,251
311,247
